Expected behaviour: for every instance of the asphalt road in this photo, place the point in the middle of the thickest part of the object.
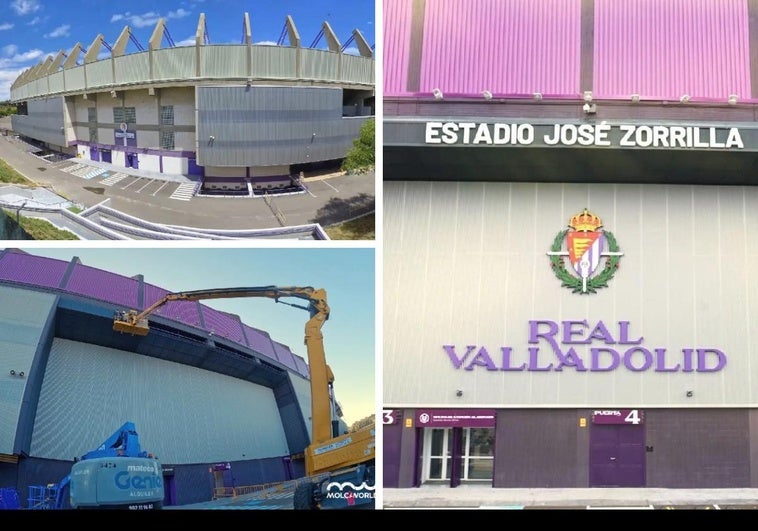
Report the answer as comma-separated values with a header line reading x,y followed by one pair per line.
x,y
327,201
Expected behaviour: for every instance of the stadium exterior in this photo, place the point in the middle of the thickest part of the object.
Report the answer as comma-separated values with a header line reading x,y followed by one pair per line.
x,y
237,117
570,214
220,403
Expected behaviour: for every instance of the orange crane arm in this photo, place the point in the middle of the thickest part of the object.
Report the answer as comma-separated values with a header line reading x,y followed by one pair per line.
x,y
321,376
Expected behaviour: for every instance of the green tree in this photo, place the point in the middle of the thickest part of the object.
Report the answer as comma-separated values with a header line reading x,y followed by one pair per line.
x,y
362,155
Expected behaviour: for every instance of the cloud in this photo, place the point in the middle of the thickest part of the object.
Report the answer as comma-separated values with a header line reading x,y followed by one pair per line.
x,y
34,21
352,51
150,18
5,26
13,64
7,77
24,7
189,41
60,31
265,43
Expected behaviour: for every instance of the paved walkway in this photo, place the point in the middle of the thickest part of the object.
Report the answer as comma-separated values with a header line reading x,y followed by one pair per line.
x,y
485,497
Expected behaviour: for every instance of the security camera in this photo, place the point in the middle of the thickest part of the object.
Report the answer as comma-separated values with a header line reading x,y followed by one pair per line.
x,y
589,108
437,94
487,95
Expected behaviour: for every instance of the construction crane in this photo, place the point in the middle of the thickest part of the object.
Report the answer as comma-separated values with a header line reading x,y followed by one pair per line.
x,y
337,460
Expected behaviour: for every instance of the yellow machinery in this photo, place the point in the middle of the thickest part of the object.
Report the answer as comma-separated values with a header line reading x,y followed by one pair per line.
x,y
349,458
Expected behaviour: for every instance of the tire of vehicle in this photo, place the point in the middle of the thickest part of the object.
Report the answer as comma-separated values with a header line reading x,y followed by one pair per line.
x,y
303,497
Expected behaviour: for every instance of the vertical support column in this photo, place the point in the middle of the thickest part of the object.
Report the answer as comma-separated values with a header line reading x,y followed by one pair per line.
x,y
416,48
752,10
587,58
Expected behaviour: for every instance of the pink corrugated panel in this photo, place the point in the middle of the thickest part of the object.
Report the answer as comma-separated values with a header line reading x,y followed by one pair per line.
x,y
504,46
665,49
396,17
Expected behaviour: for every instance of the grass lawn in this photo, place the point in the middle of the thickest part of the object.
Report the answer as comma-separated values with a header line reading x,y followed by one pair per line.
x,y
359,229
10,176
41,229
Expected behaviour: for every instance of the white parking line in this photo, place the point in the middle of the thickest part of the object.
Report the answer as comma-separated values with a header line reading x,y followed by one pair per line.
x,y
161,188
330,186
149,182
138,179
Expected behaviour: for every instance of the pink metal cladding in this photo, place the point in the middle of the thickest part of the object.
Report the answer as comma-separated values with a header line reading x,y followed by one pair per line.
x,y
659,49
663,50
504,46
397,36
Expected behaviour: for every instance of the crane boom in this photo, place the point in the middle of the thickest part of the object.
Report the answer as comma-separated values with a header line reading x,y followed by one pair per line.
x,y
321,376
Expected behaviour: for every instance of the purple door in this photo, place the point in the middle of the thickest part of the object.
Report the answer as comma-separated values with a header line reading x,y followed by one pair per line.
x,y
617,455
106,153
169,491
194,169
392,431
132,161
94,154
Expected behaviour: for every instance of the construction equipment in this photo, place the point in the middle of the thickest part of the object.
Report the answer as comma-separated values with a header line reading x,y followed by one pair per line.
x,y
116,475
340,466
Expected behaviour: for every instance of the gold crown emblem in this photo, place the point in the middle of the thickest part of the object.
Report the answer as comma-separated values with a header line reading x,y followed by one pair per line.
x,y
585,222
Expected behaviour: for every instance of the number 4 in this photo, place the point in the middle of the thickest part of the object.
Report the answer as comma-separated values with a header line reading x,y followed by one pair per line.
x,y
633,417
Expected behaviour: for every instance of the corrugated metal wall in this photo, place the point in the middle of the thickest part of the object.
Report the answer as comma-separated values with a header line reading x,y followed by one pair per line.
x,y
43,122
174,63
396,45
667,49
466,264
22,317
658,49
504,46
303,392
183,414
268,126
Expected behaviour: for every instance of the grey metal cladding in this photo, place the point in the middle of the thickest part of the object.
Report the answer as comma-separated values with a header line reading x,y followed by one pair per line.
x,y
44,121
267,126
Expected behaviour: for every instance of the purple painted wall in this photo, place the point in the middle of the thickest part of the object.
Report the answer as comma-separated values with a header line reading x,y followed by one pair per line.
x,y
124,291
662,50
658,49
103,285
509,47
397,34
223,324
48,273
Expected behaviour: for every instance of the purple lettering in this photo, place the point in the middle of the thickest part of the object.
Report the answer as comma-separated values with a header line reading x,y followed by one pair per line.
x,y
569,330
534,362
457,362
601,332
506,366
687,353
660,361
624,334
701,360
535,334
482,359
647,359
596,352
570,359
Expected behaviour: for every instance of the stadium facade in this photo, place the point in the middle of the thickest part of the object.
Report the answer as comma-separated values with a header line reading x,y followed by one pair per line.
x,y
219,402
570,214
237,117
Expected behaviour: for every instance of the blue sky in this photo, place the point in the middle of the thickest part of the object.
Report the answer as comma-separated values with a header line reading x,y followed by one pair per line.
x,y
347,275
30,30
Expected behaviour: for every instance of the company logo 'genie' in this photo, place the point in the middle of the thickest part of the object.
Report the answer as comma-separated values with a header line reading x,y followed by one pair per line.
x,y
126,481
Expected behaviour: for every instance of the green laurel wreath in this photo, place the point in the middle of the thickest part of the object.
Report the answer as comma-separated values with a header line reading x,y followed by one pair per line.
x,y
575,283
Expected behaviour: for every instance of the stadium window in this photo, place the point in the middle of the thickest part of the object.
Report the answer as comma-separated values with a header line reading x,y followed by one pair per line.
x,y
167,140
130,115
92,114
93,134
167,115
118,115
